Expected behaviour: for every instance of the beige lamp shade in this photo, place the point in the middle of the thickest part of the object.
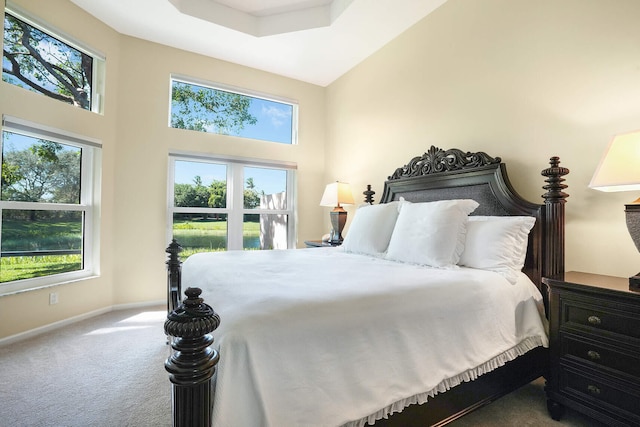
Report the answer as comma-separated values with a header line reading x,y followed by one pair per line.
x,y
619,168
336,194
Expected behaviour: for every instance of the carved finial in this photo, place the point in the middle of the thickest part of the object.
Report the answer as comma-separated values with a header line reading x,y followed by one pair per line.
x,y
555,186
193,318
368,194
173,250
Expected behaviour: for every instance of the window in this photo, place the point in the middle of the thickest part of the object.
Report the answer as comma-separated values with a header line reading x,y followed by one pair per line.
x,y
230,111
217,204
47,206
47,62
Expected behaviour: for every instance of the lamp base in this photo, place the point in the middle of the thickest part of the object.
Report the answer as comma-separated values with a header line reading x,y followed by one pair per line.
x,y
338,220
632,215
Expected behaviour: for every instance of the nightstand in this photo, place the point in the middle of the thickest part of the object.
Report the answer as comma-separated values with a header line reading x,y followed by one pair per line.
x,y
594,333
319,244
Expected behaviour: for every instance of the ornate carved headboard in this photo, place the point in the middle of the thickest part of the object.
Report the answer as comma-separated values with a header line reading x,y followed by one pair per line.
x,y
453,174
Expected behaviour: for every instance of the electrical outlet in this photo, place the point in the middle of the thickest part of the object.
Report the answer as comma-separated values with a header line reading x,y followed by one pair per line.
x,y
53,298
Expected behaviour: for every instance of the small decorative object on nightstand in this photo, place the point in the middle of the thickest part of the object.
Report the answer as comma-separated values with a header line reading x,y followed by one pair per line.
x,y
594,332
319,244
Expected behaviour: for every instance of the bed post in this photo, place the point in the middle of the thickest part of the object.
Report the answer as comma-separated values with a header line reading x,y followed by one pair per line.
x,y
174,275
193,362
368,194
554,200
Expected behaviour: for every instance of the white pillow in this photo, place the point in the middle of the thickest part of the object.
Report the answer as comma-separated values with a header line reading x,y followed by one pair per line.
x,y
430,233
497,243
371,229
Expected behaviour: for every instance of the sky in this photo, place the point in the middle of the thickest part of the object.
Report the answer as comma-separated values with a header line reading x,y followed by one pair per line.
x,y
274,121
12,141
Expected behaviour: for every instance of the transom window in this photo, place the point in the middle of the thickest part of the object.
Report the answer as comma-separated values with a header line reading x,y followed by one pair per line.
x,y
47,206
45,61
220,204
216,108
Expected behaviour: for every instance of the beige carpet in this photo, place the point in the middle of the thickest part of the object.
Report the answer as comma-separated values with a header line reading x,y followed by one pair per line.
x,y
109,371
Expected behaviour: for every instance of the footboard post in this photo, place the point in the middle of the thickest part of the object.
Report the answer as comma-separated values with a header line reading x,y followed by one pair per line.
x,y
193,363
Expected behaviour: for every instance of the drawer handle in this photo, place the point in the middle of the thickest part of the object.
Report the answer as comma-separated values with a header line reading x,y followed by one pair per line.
x,y
594,320
594,390
593,355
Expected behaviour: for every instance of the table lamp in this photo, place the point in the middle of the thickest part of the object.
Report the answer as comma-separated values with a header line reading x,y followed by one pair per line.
x,y
619,170
337,194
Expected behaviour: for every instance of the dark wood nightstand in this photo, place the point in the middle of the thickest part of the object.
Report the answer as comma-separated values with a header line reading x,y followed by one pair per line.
x,y
594,332
319,244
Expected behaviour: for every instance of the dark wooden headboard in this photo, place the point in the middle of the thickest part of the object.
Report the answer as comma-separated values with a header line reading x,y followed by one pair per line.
x,y
454,174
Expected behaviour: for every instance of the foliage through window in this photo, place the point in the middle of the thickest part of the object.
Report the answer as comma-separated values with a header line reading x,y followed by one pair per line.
x,y
218,205
38,61
207,108
46,206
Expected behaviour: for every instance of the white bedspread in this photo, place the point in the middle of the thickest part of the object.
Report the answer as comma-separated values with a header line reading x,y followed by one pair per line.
x,y
319,337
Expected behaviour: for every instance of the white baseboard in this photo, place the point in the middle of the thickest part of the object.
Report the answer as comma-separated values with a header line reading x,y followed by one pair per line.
x,y
61,323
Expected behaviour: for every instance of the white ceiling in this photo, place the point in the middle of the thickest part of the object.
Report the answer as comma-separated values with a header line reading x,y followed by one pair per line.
x,y
315,41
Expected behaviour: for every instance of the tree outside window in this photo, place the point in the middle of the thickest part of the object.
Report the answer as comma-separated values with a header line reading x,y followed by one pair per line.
x,y
208,108
38,61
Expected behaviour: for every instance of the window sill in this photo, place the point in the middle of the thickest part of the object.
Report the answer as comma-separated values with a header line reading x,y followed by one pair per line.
x,y
10,288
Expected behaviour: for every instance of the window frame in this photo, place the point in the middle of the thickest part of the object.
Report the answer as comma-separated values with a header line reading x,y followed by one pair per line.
x,y
240,91
99,59
235,195
90,177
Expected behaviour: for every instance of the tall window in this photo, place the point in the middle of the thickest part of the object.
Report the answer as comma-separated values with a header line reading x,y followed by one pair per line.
x,y
47,206
45,61
220,204
230,111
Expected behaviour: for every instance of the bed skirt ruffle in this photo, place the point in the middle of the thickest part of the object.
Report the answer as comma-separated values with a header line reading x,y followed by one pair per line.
x,y
469,375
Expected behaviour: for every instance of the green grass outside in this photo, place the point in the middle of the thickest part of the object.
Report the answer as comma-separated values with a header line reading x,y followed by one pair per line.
x,y
28,267
207,235
21,235
39,234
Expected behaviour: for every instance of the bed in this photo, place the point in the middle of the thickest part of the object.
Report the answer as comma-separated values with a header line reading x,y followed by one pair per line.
x,y
396,327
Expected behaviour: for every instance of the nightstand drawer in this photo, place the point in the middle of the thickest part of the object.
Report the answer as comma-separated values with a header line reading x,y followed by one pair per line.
x,y
601,392
599,318
626,362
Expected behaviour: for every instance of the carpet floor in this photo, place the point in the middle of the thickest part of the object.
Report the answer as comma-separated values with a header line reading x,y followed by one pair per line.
x,y
108,371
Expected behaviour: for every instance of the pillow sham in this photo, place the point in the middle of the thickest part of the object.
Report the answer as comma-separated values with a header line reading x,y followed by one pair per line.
x,y
497,243
371,228
430,233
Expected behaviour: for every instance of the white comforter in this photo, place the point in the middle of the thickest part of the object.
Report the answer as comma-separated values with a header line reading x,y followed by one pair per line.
x,y
319,337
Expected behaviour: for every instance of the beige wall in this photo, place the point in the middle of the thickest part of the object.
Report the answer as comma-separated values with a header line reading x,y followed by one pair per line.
x,y
136,141
520,79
